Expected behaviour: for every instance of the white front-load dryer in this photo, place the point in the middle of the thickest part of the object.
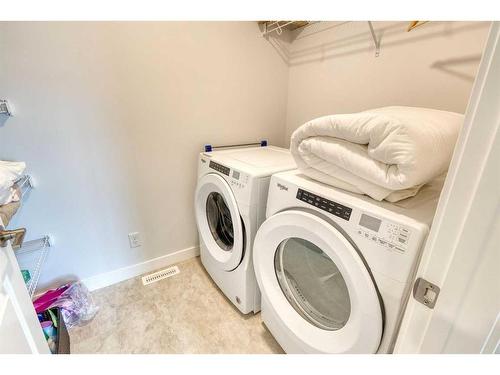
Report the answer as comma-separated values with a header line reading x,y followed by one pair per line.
x,y
230,204
335,268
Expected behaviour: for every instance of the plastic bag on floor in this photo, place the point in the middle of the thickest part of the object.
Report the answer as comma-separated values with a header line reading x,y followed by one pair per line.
x,y
75,301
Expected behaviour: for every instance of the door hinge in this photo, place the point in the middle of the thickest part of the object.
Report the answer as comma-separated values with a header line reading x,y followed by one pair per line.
x,y
426,292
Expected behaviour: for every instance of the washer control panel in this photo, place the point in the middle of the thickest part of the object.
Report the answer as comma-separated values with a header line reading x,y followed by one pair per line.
x,y
238,179
235,178
327,205
390,235
219,167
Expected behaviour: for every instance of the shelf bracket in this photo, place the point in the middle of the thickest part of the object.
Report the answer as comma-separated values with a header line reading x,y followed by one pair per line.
x,y
5,108
25,184
375,40
278,26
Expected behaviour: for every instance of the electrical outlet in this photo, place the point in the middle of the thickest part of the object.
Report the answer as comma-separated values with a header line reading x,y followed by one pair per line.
x,y
134,239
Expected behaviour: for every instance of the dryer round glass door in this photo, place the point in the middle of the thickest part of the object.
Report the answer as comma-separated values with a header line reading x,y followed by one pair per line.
x,y
219,222
312,283
317,289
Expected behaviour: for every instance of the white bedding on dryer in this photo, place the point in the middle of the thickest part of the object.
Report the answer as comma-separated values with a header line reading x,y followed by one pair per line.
x,y
387,153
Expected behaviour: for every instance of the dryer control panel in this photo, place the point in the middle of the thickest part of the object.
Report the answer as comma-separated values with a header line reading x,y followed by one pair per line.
x,y
324,204
385,233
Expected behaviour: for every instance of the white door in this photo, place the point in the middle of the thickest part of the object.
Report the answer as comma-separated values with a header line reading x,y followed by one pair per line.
x,y
219,221
20,331
317,284
462,255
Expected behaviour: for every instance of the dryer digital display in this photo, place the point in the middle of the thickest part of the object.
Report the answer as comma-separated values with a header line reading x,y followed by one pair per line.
x,y
370,222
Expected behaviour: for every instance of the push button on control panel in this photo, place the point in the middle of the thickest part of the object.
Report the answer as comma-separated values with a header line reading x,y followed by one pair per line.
x,y
398,234
380,241
325,204
237,184
219,167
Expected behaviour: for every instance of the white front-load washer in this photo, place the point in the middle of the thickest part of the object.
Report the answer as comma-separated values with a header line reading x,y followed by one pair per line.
x,y
335,268
230,204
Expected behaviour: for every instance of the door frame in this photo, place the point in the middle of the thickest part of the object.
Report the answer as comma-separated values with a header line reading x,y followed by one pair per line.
x,y
13,293
466,218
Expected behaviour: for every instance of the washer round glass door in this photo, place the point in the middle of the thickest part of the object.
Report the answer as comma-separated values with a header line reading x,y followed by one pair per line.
x,y
316,285
219,222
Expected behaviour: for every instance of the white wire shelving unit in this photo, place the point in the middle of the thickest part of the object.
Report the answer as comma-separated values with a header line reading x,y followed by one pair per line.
x,y
277,27
31,255
270,27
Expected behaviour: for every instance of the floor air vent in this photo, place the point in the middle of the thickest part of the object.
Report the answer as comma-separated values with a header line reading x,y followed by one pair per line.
x,y
160,275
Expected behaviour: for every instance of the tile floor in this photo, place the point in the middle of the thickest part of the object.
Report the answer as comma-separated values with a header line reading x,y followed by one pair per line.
x,y
185,313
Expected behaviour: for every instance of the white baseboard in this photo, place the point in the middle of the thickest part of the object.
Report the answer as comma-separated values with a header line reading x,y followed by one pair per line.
x,y
109,278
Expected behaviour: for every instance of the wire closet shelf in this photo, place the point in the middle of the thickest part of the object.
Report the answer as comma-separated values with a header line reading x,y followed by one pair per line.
x,y
30,255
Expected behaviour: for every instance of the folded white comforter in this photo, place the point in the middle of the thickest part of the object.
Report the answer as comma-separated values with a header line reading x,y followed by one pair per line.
x,y
387,153
9,173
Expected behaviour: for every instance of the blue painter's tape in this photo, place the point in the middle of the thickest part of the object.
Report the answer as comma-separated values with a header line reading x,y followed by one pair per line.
x,y
208,148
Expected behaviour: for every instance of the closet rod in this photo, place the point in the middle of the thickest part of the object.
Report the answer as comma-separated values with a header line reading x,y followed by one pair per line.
x,y
262,143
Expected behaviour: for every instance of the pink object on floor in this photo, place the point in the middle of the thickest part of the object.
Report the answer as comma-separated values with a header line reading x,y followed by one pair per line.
x,y
74,300
45,301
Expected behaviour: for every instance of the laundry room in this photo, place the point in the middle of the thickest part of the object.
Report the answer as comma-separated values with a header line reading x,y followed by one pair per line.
x,y
249,187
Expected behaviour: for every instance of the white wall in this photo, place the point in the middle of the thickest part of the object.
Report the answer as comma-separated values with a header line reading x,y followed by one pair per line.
x,y
333,68
110,118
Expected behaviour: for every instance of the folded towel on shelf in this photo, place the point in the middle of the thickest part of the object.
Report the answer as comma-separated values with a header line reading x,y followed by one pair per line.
x,y
9,173
7,211
387,153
